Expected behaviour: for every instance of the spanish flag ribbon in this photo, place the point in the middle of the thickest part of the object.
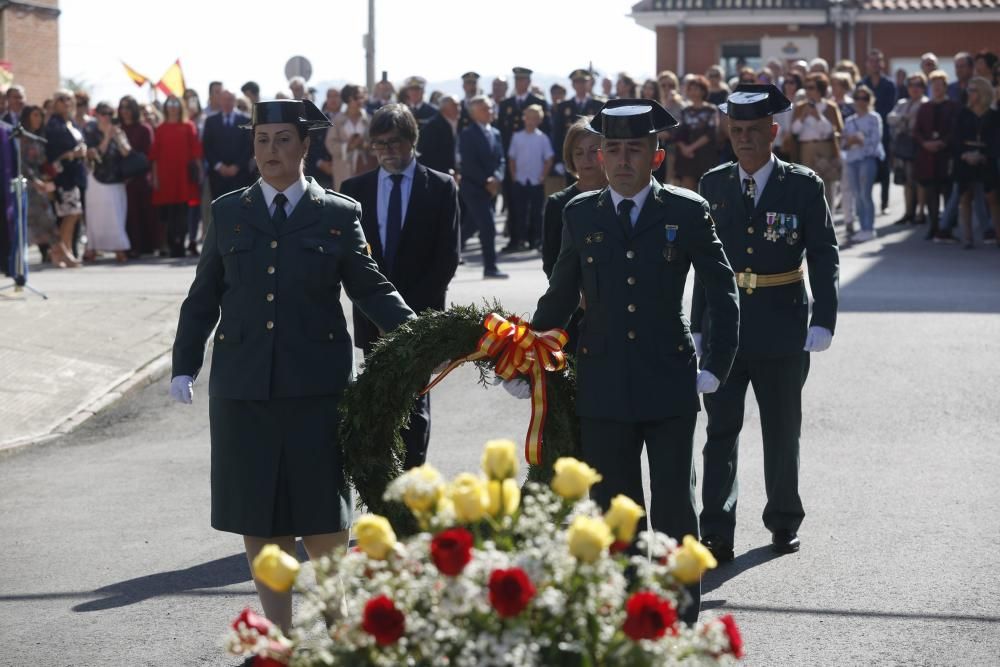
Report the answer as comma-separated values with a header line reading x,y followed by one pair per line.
x,y
519,350
137,78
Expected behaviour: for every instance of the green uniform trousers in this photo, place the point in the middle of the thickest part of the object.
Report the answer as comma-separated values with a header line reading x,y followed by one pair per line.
x,y
614,449
777,385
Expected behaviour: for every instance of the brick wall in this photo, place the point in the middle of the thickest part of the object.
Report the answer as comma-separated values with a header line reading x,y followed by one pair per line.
x,y
29,40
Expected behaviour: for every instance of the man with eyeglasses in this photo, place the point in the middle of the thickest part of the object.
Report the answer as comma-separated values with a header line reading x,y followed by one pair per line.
x,y
410,218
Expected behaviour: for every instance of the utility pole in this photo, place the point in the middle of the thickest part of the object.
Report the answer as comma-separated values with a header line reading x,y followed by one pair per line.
x,y
370,47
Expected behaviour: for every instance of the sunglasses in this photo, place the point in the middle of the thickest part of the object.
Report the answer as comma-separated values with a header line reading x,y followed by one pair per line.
x,y
394,144
863,99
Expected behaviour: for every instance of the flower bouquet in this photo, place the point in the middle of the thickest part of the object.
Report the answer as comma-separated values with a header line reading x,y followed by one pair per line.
x,y
496,577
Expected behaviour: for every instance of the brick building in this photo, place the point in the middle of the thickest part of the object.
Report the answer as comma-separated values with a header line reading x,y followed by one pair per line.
x,y
29,42
691,35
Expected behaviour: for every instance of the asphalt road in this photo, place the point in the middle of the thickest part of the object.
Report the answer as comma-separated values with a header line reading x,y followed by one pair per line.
x,y
108,557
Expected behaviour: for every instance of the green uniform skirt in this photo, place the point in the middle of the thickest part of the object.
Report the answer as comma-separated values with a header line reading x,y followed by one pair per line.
x,y
277,468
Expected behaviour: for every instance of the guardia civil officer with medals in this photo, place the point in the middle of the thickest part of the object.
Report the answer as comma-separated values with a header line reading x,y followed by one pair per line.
x,y
628,248
771,216
275,258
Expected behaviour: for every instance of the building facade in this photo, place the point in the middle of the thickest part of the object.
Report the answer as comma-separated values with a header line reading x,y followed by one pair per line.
x,y
691,35
29,45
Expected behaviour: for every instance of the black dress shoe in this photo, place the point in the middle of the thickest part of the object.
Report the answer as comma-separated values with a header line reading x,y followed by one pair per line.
x,y
721,548
784,542
509,248
495,274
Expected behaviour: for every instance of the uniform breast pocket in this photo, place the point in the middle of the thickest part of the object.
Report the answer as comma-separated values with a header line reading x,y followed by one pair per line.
x,y
319,259
595,261
236,259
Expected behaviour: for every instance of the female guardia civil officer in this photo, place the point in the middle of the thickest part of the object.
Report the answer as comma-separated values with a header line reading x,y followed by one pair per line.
x,y
275,257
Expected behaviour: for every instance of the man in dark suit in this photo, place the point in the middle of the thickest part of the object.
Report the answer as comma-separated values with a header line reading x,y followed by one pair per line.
x,y
566,113
483,166
438,143
227,148
410,218
628,249
771,216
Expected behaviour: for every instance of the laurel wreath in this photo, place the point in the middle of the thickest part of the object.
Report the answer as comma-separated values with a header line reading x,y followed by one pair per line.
x,y
377,406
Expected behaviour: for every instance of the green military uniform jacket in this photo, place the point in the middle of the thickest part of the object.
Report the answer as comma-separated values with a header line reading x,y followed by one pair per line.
x,y
276,290
773,320
635,357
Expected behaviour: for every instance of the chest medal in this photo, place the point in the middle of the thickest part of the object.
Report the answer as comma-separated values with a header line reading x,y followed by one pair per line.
x,y
670,250
771,234
792,232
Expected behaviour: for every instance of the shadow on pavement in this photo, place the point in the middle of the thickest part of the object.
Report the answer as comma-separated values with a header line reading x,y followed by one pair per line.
x,y
860,613
713,579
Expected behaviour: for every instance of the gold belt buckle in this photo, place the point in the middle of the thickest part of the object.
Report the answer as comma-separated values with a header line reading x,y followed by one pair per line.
x,y
746,280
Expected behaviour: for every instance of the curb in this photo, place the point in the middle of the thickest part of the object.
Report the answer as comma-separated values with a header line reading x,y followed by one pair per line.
x,y
139,379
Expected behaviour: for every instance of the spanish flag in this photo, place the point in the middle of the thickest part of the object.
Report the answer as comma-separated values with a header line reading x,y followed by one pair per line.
x,y
139,79
172,81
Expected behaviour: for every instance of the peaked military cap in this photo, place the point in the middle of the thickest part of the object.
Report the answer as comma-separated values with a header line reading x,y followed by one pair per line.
x,y
298,112
522,71
750,101
631,119
415,82
470,76
579,74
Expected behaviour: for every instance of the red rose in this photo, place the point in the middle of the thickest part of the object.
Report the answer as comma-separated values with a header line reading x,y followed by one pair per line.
x,y
252,621
733,632
618,547
649,616
451,551
383,621
510,591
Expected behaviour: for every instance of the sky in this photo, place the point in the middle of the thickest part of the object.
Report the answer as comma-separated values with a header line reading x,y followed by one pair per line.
x,y
437,39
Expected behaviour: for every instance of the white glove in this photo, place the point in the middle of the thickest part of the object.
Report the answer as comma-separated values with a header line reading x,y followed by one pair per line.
x,y
559,169
697,344
182,389
518,388
707,383
818,339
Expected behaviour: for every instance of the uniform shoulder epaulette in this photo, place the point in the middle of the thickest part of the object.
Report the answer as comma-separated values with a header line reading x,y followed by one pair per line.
x,y
583,197
230,196
719,169
342,196
802,170
690,195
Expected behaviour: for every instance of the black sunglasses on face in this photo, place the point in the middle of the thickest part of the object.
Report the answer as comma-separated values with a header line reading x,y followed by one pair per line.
x,y
862,99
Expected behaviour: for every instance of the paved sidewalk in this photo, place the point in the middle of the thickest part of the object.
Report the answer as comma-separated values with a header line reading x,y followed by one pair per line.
x,y
104,330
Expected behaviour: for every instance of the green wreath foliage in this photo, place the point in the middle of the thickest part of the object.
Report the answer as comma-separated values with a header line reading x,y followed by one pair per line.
x,y
376,406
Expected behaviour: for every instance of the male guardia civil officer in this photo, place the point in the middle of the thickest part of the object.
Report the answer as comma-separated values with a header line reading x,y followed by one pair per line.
x,y
771,215
628,249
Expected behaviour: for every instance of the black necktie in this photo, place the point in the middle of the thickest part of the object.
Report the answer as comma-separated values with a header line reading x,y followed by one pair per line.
x,y
280,215
750,192
394,221
625,215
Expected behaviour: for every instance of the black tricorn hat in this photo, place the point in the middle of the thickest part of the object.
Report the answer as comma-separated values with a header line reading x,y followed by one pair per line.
x,y
296,112
631,119
750,101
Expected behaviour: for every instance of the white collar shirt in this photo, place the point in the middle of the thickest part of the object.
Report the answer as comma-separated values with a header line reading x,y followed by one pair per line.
x,y
639,198
293,192
760,178
385,190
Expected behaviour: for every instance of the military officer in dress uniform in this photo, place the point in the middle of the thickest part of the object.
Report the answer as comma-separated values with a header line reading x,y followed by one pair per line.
x,y
275,258
470,88
771,215
628,248
568,111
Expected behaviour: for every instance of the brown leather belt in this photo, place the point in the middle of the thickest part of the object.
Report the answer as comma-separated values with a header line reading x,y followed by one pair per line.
x,y
747,280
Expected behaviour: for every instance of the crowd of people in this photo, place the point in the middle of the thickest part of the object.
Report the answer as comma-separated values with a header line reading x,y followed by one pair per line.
x,y
139,177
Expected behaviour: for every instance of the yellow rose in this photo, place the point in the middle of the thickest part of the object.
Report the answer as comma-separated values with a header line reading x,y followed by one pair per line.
x,y
423,486
692,560
470,497
623,517
275,569
511,497
573,478
375,536
588,538
500,459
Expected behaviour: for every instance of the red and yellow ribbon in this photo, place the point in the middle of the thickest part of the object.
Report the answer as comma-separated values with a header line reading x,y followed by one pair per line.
x,y
519,350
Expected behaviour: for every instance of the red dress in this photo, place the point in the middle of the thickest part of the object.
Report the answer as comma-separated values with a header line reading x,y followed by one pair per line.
x,y
174,147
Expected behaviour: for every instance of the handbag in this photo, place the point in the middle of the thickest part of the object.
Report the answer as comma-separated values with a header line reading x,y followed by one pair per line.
x,y
133,164
904,146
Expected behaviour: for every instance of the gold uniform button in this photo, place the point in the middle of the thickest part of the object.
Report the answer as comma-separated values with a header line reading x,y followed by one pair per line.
x,y
749,290
590,260
222,336
330,336
630,254
270,270
680,348
749,230
585,350
269,297
274,244
631,280
320,248
749,251
631,335
269,325
631,308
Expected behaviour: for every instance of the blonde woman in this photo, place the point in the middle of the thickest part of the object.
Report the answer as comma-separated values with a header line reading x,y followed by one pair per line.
x,y
976,148
347,139
816,128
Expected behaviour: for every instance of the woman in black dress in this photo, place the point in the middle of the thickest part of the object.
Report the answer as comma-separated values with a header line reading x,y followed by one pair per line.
x,y
975,147
580,155
276,255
